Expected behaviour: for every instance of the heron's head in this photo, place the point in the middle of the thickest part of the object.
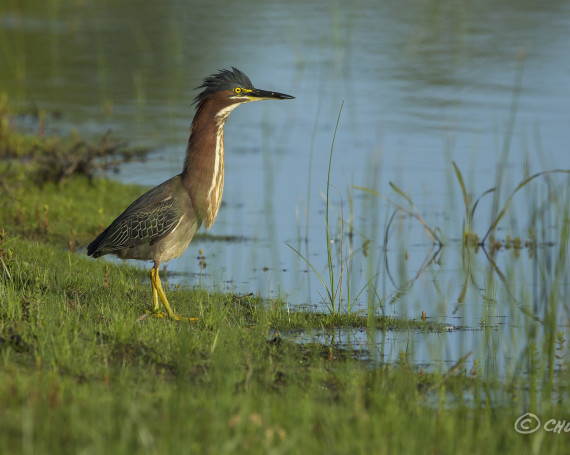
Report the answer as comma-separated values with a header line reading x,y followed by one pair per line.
x,y
233,88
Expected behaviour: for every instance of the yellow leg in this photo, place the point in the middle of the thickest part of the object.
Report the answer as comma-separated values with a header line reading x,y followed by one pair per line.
x,y
154,291
157,291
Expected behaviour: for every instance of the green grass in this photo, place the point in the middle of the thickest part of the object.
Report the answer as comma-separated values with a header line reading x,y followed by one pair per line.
x,y
81,371
333,296
85,369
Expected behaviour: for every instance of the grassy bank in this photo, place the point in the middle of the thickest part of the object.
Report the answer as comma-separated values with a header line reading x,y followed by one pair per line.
x,y
85,369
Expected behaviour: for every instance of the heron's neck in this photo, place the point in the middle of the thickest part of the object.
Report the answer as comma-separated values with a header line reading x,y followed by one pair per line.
x,y
203,173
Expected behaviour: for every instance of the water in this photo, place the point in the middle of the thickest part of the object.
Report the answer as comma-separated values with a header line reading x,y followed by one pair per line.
x,y
423,83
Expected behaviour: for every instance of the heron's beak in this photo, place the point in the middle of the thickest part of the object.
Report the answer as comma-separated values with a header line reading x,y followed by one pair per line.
x,y
257,94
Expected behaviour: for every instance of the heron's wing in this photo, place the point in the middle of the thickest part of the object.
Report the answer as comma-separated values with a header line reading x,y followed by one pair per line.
x,y
148,219
145,224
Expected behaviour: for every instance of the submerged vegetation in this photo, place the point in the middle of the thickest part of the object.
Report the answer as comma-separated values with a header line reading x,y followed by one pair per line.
x,y
85,368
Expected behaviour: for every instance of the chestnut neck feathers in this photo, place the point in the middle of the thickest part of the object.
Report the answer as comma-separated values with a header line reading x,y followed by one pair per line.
x,y
203,173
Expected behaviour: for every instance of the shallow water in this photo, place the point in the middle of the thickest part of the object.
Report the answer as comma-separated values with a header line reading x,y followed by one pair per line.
x,y
423,83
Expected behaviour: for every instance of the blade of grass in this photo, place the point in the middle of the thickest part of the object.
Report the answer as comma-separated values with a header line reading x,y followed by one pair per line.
x,y
431,233
510,198
401,193
314,270
489,191
329,248
464,192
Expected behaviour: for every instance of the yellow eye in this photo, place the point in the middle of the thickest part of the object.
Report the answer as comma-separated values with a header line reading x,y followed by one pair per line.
x,y
237,90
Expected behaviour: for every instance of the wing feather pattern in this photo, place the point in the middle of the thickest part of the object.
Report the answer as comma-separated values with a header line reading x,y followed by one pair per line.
x,y
151,217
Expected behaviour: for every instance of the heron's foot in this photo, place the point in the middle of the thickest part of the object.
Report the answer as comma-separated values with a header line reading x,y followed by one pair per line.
x,y
175,317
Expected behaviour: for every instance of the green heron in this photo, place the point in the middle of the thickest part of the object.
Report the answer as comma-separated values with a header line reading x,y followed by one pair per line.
x,y
160,224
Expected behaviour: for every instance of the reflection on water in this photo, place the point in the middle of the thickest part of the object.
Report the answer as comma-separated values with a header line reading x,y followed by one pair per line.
x,y
424,83
487,302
